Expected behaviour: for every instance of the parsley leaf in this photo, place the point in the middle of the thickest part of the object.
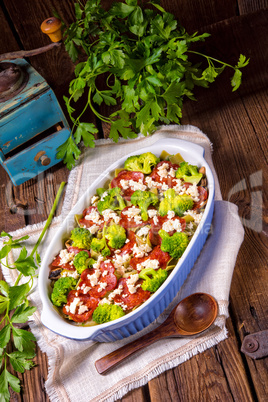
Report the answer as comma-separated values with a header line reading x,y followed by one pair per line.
x,y
143,55
14,303
69,152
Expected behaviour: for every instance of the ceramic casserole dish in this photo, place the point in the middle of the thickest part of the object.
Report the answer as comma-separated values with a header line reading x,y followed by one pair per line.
x,y
145,314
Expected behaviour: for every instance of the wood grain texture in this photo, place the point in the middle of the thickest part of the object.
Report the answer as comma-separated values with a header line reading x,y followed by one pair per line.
x,y
236,123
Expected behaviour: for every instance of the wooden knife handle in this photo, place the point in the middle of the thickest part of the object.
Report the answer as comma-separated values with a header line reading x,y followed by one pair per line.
x,y
52,27
107,362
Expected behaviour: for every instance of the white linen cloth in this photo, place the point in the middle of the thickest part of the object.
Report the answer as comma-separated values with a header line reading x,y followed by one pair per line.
x,y
72,376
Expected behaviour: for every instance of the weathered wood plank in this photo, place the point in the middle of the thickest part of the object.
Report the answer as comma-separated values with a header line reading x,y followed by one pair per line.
x,y
216,374
247,7
236,124
8,40
196,14
55,65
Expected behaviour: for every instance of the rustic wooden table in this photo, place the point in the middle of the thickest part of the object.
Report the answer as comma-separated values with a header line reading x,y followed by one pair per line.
x,y
236,123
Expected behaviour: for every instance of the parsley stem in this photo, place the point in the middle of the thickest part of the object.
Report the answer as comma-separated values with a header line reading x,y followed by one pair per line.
x,y
54,206
212,58
49,219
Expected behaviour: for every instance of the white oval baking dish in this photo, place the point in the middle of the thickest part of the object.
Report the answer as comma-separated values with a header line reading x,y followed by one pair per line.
x,y
156,304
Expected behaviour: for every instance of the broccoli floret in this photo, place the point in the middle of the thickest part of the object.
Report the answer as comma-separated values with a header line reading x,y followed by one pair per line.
x,y
182,203
153,279
133,163
167,203
100,246
177,203
107,312
141,163
148,160
143,199
175,245
189,173
110,199
81,238
82,261
61,289
116,236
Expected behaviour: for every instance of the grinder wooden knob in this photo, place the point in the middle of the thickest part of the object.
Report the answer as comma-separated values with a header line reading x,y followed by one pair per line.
x,y
52,27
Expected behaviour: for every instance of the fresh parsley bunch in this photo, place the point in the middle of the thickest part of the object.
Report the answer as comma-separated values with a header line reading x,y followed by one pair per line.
x,y
142,54
15,308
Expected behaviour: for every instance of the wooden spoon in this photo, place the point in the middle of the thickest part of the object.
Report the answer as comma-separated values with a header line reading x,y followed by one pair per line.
x,y
192,315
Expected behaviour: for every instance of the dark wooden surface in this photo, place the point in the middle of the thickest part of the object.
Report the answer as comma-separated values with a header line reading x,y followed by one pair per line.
x,y
236,123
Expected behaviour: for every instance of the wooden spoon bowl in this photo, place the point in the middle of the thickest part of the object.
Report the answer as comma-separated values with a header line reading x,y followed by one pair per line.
x,y
191,316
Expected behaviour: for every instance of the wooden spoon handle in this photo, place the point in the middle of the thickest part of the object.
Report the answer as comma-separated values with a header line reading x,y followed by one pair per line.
x,y
107,362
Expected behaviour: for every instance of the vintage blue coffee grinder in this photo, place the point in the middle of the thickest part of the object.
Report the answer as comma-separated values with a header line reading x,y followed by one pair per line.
x,y
32,124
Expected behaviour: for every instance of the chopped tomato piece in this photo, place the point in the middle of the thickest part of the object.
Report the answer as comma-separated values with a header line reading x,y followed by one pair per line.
x,y
57,260
128,247
154,237
105,281
88,222
164,179
202,195
124,179
85,305
157,254
131,300
133,222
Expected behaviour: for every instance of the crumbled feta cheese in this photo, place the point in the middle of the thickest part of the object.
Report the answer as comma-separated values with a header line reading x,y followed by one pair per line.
x,y
134,185
104,301
142,250
177,185
94,278
190,225
124,184
117,291
72,274
94,216
149,263
66,257
93,229
197,217
170,225
74,304
98,262
192,191
102,286
124,306
104,195
110,214
137,219
152,213
86,289
143,231
120,260
171,172
155,219
131,283
170,214
164,187
82,309
151,183
94,199
133,213
162,170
